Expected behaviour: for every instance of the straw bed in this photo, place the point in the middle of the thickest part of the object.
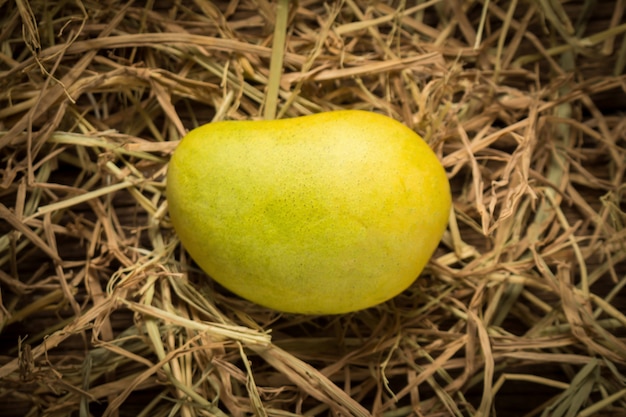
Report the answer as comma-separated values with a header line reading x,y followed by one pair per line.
x,y
520,311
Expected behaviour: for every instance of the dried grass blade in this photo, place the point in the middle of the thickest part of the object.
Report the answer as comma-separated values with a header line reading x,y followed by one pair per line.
x,y
73,201
593,410
311,381
253,392
20,226
569,402
276,60
221,331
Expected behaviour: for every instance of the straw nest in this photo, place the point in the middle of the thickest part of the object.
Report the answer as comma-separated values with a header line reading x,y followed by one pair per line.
x,y
520,311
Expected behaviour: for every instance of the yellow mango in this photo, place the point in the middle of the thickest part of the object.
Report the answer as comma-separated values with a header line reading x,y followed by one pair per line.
x,y
321,214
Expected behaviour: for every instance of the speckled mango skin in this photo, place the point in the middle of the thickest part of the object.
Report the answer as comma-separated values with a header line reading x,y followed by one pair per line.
x,y
321,214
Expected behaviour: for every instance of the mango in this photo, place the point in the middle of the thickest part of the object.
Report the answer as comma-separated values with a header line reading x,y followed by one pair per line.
x,y
322,214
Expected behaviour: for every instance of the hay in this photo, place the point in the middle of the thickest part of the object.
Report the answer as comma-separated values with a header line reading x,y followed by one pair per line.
x,y
520,312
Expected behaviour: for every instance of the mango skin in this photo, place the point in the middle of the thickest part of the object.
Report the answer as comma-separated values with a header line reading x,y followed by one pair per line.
x,y
322,214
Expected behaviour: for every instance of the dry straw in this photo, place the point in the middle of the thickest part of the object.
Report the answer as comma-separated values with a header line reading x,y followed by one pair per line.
x,y
520,312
